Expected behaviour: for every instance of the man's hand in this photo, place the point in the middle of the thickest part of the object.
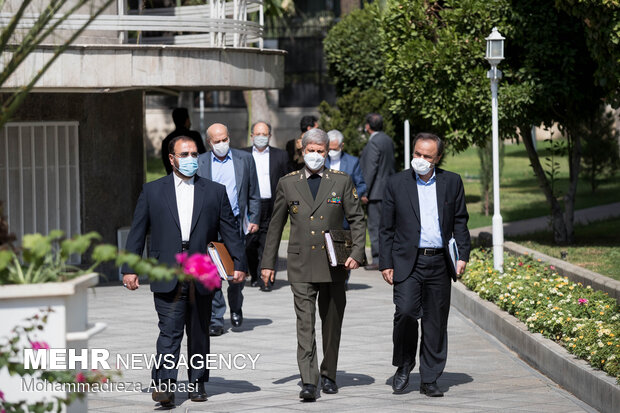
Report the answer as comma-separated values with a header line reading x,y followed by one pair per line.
x,y
252,228
267,275
364,199
388,275
460,267
238,276
351,264
131,281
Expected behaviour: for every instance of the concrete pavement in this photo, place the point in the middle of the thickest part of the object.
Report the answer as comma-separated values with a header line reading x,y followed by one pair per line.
x,y
481,375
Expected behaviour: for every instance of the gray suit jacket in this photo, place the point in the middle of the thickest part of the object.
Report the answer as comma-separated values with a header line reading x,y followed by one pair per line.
x,y
248,193
377,162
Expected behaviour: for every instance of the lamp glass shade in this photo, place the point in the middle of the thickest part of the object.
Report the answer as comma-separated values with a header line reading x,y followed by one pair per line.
x,y
495,47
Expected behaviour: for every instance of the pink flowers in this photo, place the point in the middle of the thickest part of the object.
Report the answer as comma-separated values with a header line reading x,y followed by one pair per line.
x,y
39,345
80,377
1,395
520,264
201,268
552,268
583,301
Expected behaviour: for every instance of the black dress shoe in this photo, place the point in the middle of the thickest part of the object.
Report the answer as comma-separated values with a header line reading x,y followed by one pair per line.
x,y
164,396
372,267
236,319
431,389
199,394
265,288
329,386
308,393
215,331
401,378
254,283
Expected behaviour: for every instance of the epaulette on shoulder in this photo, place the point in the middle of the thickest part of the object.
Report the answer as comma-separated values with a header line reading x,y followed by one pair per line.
x,y
335,171
293,173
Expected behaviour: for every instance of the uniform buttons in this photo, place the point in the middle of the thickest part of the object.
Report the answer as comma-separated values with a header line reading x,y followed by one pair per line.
x,y
321,216
313,247
311,218
322,232
322,247
312,232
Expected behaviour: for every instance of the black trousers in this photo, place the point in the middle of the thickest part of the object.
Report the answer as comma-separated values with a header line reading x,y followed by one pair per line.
x,y
255,243
424,294
183,308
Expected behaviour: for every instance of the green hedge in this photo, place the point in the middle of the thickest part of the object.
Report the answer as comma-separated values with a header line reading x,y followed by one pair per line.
x,y
584,321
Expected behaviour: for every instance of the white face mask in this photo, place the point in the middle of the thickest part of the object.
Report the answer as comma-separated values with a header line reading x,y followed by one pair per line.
x,y
335,155
261,141
314,161
221,149
421,166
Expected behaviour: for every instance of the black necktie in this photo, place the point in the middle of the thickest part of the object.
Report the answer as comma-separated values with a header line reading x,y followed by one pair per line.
x,y
313,182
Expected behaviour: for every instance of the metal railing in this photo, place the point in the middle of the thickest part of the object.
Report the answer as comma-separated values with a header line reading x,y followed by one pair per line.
x,y
219,23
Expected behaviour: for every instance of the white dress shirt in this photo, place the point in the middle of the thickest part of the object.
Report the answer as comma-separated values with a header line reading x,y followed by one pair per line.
x,y
335,163
261,159
184,190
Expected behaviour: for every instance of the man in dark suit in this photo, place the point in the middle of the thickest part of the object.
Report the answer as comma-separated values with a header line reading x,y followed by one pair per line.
x,y
293,147
341,161
180,117
424,208
377,162
182,212
235,170
271,165
316,200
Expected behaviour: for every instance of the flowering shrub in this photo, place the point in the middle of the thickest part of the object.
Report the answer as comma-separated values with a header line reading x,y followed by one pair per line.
x,y
200,267
13,347
584,321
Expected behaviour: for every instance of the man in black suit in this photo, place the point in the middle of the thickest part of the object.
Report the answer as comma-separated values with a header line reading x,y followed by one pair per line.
x,y
180,117
293,147
183,213
377,162
423,209
271,165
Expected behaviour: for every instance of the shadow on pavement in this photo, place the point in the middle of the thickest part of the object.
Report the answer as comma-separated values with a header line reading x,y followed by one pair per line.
x,y
446,381
343,379
250,323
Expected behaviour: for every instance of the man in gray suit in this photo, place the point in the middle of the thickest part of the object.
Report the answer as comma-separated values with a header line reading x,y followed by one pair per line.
x,y
377,162
236,170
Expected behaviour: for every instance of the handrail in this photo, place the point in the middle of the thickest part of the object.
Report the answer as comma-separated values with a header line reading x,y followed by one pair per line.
x,y
217,24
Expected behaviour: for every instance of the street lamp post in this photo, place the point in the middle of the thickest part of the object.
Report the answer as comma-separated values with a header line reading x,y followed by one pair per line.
x,y
494,55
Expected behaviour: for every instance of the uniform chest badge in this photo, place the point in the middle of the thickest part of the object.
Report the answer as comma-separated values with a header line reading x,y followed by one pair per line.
x,y
294,207
334,199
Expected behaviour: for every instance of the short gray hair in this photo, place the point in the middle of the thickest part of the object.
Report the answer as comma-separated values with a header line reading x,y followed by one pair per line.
x,y
335,135
260,121
317,136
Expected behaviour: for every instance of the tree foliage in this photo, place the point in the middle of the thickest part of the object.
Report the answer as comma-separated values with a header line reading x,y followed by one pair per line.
x,y
601,155
352,50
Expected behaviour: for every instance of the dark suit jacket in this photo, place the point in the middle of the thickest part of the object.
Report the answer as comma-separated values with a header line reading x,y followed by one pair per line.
x,y
248,193
399,235
377,162
350,164
180,132
157,212
278,166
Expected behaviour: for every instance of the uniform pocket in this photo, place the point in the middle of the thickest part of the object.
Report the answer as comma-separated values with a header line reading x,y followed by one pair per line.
x,y
293,249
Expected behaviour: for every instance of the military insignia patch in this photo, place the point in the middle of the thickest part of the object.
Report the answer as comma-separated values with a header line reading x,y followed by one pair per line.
x,y
334,200
333,194
354,193
294,209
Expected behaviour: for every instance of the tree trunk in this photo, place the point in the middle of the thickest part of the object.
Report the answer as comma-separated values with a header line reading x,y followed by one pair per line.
x,y
258,108
486,201
574,165
560,235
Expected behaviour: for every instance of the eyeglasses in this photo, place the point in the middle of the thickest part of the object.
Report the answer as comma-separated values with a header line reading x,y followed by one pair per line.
x,y
186,154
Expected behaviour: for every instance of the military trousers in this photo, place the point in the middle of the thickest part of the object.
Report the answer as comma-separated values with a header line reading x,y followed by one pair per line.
x,y
332,301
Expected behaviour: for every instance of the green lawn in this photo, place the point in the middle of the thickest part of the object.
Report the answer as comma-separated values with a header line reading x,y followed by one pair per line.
x,y
597,247
154,169
520,196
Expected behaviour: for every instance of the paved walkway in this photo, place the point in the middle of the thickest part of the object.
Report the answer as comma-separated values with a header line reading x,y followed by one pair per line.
x,y
481,375
582,216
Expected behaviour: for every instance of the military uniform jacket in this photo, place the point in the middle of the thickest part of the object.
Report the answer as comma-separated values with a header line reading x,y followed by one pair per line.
x,y
306,255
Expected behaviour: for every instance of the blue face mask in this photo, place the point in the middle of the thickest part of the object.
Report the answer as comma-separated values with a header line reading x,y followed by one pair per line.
x,y
188,166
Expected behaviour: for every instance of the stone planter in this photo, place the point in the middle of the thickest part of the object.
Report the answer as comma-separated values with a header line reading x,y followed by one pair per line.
x,y
67,325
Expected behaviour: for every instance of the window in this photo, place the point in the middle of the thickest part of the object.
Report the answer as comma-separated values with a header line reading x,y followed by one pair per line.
x,y
39,177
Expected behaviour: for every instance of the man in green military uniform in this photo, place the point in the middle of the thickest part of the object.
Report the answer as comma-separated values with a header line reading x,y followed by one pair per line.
x,y
317,200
